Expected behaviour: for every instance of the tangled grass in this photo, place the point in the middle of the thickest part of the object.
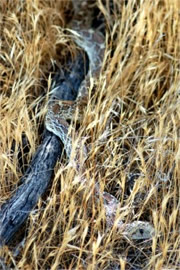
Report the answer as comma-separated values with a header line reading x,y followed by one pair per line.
x,y
131,125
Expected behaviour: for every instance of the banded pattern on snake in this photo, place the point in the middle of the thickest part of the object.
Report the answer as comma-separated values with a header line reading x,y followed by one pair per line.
x,y
59,111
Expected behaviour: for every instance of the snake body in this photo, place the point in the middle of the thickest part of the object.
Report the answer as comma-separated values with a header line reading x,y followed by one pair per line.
x,y
59,111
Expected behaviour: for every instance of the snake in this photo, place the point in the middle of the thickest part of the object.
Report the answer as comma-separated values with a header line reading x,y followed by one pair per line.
x,y
92,42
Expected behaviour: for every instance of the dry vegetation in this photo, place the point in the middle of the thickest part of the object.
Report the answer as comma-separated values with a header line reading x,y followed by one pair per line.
x,y
131,125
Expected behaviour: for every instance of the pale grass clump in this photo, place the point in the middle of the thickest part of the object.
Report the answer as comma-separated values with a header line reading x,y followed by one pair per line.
x,y
131,125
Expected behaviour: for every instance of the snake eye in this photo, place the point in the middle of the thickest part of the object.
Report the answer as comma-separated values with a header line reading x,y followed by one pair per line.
x,y
141,231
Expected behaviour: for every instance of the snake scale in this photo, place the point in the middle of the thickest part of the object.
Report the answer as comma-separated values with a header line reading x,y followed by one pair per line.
x,y
92,42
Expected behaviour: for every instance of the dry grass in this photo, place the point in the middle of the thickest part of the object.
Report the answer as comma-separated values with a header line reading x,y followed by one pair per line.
x,y
132,125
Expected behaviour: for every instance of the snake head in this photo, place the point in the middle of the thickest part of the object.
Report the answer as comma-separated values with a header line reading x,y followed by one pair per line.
x,y
139,230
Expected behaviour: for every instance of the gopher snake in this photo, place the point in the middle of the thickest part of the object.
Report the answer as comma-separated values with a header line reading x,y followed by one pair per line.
x,y
59,111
